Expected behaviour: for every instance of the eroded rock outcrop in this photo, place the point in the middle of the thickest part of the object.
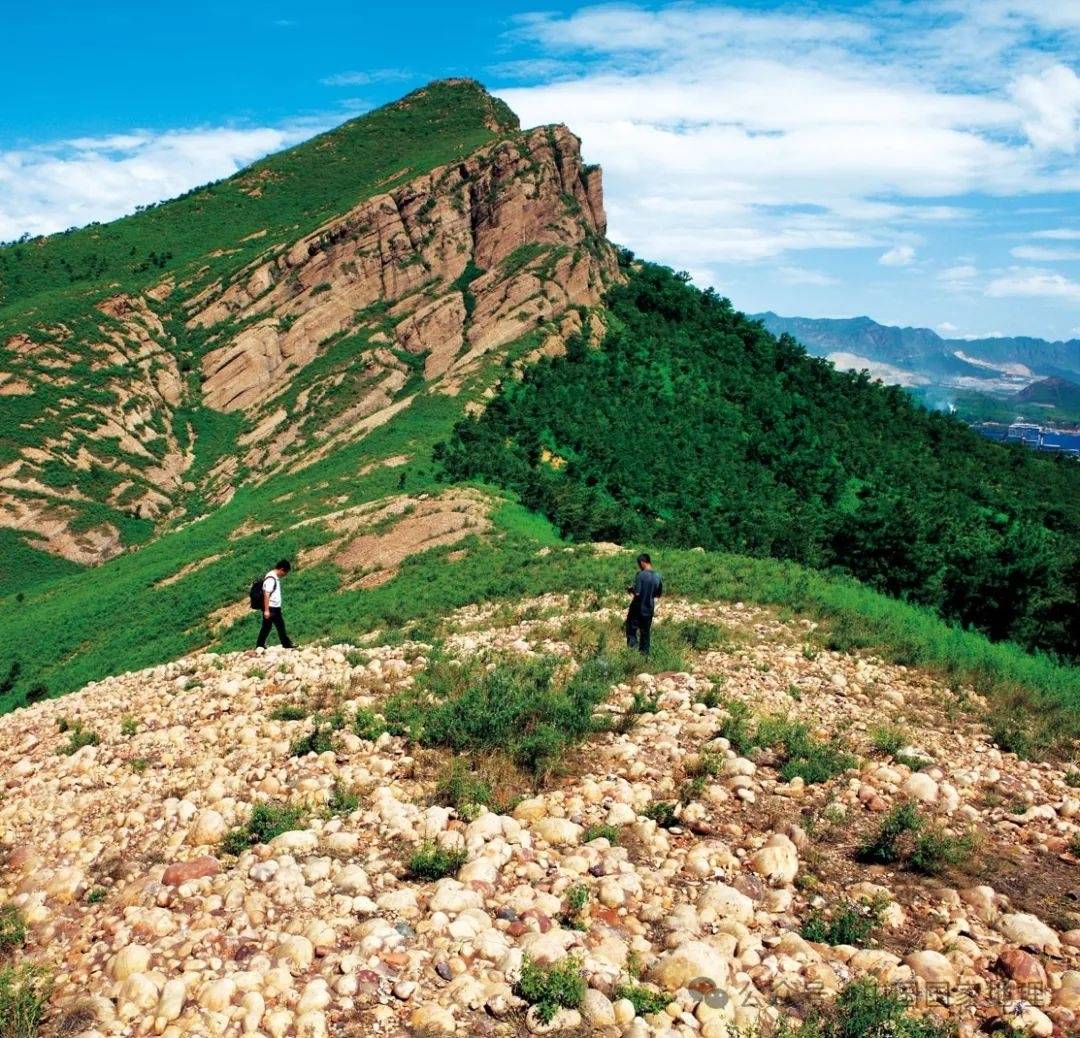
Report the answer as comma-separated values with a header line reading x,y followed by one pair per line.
x,y
404,293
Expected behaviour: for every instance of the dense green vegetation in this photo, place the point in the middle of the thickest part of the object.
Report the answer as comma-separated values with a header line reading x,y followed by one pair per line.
x,y
692,425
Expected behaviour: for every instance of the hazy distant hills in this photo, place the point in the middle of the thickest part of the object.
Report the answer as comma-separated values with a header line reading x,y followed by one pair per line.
x,y
921,357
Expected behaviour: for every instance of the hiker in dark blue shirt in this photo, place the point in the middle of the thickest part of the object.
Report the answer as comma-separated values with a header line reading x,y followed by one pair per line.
x,y
647,587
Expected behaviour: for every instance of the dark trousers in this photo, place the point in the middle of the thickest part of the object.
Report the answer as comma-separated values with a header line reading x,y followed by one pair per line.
x,y
638,630
275,619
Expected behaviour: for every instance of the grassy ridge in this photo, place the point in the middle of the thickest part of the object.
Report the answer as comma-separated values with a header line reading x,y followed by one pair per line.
x,y
291,192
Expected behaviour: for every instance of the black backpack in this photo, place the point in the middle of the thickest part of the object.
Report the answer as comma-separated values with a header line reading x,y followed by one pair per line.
x,y
255,593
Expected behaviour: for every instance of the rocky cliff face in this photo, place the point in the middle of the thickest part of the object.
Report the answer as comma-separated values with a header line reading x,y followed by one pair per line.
x,y
310,345
425,279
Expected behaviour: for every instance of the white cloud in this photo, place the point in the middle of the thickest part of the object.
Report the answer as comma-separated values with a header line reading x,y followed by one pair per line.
x,y
959,278
803,276
627,28
1034,283
1058,234
740,135
898,256
1051,103
366,77
1043,253
74,182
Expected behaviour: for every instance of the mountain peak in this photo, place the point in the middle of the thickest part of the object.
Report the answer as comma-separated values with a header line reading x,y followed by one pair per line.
x,y
296,305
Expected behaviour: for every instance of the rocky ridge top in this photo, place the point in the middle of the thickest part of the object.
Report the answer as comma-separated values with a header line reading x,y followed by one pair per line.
x,y
113,854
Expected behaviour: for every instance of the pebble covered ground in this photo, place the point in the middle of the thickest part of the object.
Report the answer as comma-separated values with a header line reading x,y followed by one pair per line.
x,y
112,854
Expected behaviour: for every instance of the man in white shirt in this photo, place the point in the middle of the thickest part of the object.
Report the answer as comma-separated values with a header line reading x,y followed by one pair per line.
x,y
272,605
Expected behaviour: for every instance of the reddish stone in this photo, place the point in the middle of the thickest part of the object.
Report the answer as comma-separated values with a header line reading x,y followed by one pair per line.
x,y
1021,966
22,858
603,914
185,871
517,928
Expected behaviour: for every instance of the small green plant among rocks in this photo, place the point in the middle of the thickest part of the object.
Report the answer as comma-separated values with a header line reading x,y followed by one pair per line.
x,y
342,801
319,740
96,895
79,738
864,1010
1072,778
430,861
643,703
906,836
267,820
711,698
12,928
368,725
910,760
139,765
576,901
850,923
601,832
662,812
645,1000
1074,845
700,635
288,712
24,993
129,726
883,848
936,850
799,753
889,739
551,988
1014,735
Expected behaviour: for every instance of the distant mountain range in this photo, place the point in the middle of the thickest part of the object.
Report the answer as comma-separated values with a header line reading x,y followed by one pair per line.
x,y
920,357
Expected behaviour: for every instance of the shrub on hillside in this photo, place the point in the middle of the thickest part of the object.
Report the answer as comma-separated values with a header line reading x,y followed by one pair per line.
x,y
267,820
551,988
431,861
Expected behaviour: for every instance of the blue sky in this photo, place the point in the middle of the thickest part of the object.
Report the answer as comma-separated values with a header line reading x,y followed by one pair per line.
x,y
916,161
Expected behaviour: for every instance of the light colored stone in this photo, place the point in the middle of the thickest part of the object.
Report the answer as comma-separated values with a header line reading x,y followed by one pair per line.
x,y
694,959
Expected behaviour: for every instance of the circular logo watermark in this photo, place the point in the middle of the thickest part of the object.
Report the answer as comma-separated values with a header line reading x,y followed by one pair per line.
x,y
702,989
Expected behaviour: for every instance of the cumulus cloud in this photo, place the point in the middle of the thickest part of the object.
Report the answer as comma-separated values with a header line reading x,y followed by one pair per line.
x,y
1035,283
803,276
743,135
898,256
1051,104
75,182
958,278
1058,234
